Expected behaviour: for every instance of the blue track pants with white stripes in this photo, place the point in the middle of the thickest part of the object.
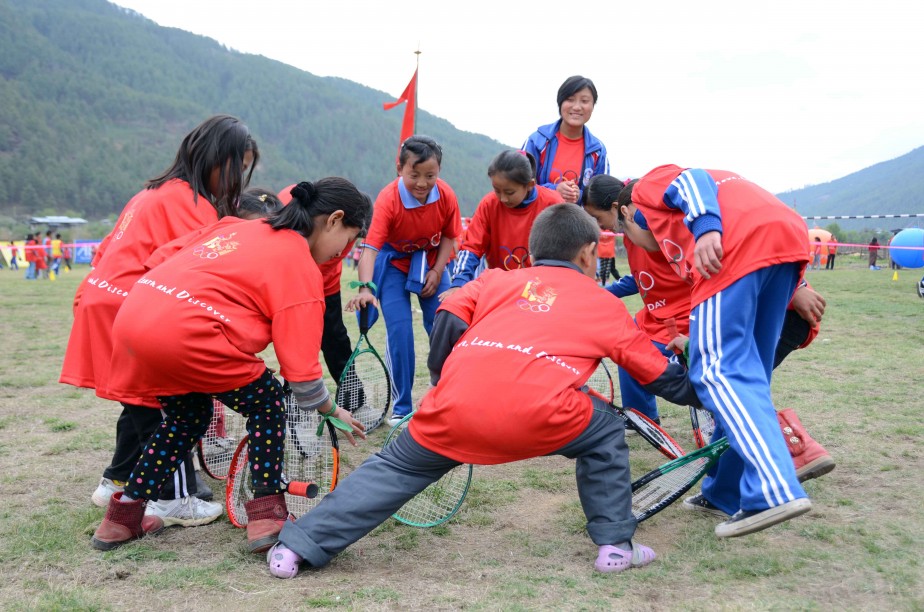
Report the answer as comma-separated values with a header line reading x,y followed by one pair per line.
x,y
395,301
733,337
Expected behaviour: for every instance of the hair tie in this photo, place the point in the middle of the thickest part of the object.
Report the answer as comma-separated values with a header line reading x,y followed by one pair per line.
x,y
304,191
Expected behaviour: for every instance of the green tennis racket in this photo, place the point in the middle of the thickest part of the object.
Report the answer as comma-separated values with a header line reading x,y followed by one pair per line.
x,y
440,501
365,385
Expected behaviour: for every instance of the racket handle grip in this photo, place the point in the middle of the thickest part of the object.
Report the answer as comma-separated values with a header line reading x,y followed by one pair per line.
x,y
363,319
302,489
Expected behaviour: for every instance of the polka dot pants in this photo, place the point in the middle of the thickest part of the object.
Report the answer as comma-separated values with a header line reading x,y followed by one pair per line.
x,y
188,417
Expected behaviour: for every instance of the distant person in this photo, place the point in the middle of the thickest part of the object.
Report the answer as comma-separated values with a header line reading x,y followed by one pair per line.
x,y
410,242
606,253
14,256
57,253
832,252
499,230
567,154
252,301
212,166
873,253
31,253
816,254
536,408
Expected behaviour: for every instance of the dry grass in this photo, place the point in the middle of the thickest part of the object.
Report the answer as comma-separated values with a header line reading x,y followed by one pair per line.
x,y
518,542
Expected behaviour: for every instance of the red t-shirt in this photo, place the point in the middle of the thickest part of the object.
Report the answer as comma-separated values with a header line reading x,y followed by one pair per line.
x,y
509,389
151,218
502,233
569,160
414,229
196,322
758,230
606,248
664,295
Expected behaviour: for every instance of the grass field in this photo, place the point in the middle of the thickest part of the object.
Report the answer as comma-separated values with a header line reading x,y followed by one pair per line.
x,y
518,543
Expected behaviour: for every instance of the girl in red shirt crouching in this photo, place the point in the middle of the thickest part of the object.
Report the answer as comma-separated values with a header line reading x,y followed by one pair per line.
x,y
190,331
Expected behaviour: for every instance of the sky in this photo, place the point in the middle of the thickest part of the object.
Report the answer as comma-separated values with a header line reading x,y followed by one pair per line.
x,y
787,94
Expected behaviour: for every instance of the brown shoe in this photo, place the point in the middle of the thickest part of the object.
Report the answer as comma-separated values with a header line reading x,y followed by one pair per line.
x,y
123,523
265,518
809,457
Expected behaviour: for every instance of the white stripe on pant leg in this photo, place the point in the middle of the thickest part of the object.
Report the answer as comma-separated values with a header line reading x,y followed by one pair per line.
x,y
775,488
391,378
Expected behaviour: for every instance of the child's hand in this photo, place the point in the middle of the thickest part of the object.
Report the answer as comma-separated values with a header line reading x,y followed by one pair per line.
x,y
431,283
447,293
708,253
568,190
364,298
809,305
678,344
347,417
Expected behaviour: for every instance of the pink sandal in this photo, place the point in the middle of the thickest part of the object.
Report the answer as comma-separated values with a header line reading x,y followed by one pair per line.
x,y
612,559
283,563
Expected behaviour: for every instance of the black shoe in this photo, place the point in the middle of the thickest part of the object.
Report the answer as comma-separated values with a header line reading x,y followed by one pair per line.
x,y
203,490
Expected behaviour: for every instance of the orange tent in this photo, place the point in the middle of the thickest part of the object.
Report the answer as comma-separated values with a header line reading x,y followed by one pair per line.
x,y
825,236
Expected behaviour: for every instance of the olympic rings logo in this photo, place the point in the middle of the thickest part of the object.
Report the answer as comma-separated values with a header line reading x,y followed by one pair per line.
x,y
516,258
533,306
410,246
202,253
561,177
645,282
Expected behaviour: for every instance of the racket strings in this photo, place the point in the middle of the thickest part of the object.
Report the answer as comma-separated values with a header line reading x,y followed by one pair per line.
x,y
667,487
307,457
439,500
217,446
365,389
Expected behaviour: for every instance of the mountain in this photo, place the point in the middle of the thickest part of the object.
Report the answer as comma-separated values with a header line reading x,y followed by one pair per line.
x,y
95,99
888,188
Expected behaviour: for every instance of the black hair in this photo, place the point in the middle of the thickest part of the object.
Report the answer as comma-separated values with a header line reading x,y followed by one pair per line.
x,y
324,197
625,198
601,192
574,84
257,202
560,232
218,142
421,147
517,166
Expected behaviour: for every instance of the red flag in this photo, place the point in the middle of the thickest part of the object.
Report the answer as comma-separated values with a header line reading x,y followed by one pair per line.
x,y
409,96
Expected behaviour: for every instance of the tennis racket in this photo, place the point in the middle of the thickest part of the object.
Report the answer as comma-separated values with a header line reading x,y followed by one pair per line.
x,y
217,446
646,428
601,381
307,459
703,426
438,502
663,486
365,385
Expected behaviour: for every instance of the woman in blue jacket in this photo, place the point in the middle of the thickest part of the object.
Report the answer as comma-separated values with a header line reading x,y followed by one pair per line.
x,y
568,155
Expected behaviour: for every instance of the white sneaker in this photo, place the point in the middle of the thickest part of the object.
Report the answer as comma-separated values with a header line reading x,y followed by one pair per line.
x,y
187,511
395,419
104,491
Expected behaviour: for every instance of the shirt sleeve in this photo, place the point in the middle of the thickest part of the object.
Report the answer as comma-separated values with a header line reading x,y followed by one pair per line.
x,y
382,215
296,334
624,287
462,302
695,193
464,269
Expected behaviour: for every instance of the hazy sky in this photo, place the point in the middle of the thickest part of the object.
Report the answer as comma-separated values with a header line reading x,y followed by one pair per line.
x,y
786,93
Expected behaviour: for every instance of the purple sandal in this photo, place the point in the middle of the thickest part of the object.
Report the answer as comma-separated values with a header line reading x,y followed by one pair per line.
x,y
283,563
612,559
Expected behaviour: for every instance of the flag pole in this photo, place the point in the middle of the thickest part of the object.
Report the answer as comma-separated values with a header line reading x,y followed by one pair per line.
x,y
417,86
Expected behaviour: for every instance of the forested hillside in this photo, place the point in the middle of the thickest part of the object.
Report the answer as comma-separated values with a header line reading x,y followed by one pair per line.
x,y
95,99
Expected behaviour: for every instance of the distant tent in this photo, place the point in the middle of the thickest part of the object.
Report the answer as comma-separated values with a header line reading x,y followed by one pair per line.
x,y
57,221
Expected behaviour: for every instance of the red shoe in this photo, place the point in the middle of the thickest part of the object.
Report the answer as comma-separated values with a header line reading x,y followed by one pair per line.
x,y
810,458
265,518
123,523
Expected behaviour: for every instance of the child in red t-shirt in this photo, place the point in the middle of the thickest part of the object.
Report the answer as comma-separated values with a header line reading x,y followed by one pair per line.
x,y
531,338
411,240
499,230
216,304
743,252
